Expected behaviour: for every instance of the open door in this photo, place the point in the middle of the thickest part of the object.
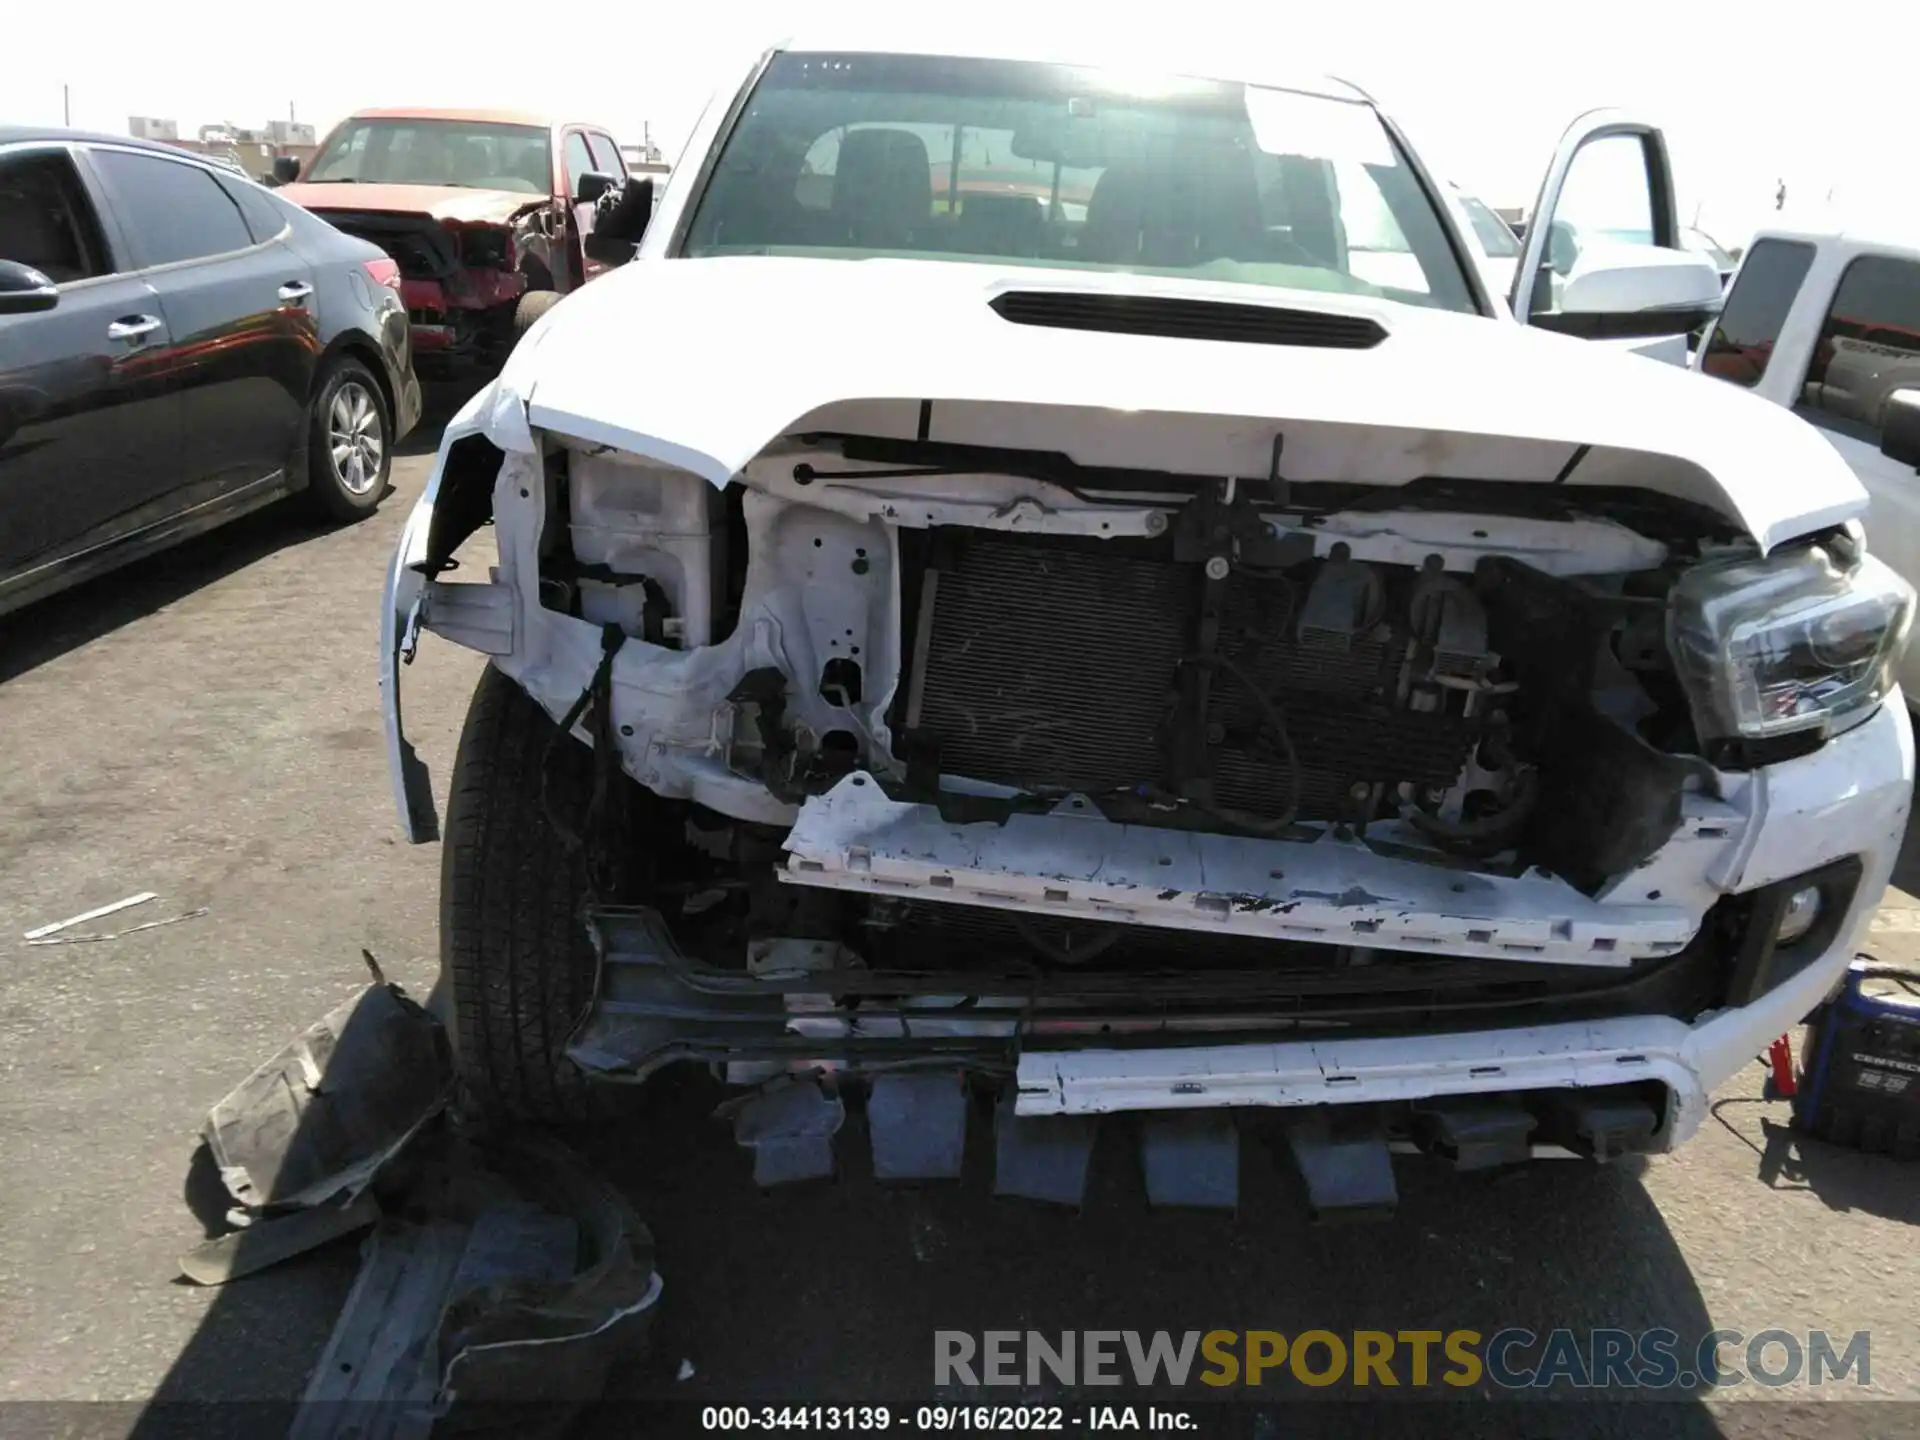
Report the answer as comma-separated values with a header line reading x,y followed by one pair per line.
x,y
1602,256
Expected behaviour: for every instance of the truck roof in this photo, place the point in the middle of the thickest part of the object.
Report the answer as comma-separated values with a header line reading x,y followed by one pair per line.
x,y
1886,231
1165,56
474,115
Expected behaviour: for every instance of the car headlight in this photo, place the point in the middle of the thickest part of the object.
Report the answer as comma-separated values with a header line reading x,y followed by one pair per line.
x,y
1806,639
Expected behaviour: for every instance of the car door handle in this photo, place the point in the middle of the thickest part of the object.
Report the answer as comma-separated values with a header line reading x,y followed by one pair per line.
x,y
295,290
134,327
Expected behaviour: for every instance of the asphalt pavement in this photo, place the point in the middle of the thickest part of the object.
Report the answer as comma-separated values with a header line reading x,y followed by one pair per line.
x,y
206,725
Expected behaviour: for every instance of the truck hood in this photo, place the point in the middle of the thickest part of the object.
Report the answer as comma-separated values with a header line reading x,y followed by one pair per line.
x,y
703,363
441,202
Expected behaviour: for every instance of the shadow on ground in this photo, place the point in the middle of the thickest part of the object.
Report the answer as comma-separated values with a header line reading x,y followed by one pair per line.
x,y
834,1292
45,631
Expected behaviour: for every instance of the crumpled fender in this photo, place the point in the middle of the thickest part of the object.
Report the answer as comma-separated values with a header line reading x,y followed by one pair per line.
x,y
498,413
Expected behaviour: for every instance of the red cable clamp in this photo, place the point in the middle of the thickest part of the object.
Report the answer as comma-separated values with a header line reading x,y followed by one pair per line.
x,y
1780,1057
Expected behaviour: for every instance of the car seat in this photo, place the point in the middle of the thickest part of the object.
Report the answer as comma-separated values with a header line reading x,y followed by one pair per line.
x,y
882,188
1175,209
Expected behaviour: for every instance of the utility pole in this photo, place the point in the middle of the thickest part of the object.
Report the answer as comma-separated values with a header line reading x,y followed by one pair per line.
x,y
66,106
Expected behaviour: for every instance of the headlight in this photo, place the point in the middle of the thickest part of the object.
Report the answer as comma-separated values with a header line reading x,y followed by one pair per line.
x,y
1803,640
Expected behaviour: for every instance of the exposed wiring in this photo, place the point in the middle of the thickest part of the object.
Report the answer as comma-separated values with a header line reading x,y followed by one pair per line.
x,y
1490,833
1269,712
599,688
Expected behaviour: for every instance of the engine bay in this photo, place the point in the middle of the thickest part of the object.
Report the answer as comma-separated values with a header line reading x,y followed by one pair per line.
x,y
1234,659
1323,691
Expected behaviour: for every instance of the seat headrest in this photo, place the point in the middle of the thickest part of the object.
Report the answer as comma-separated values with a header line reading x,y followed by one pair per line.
x,y
882,187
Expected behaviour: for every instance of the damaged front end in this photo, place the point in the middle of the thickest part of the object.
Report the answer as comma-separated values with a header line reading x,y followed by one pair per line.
x,y
460,279
1184,788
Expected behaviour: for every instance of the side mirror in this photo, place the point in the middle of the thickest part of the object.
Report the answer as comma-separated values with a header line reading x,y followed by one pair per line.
x,y
1633,292
286,169
622,213
590,185
24,290
1900,427
606,249
1563,248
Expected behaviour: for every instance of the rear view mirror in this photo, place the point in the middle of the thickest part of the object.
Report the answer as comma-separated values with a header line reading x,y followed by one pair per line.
x,y
590,185
1900,428
1076,143
286,169
24,290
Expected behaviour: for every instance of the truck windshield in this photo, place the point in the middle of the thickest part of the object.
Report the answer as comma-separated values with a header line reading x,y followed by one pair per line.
x,y
466,153
863,156
1495,238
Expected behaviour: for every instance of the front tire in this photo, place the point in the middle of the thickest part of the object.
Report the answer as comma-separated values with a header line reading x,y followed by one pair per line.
x,y
349,443
530,307
512,946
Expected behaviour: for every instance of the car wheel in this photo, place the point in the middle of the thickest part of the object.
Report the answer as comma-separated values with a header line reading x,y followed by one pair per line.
x,y
513,950
532,306
349,443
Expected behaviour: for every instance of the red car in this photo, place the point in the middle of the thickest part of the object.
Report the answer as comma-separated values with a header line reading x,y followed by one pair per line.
x,y
486,212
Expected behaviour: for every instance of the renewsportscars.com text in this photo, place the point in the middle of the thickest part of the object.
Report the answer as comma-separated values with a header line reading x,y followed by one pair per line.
x,y
1516,1359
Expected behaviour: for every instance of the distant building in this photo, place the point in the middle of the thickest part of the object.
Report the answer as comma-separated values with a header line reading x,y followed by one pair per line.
x,y
253,151
645,158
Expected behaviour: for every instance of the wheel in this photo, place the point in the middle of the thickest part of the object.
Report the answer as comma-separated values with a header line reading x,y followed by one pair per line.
x,y
517,959
532,306
349,449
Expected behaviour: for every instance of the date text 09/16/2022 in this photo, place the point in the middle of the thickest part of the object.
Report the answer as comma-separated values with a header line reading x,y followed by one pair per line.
x,y
942,1419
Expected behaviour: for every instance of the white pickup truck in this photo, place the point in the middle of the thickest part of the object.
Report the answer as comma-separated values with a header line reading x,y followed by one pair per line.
x,y
1827,323
1002,590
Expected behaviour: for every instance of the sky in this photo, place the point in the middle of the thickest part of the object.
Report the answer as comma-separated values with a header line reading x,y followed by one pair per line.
x,y
1483,89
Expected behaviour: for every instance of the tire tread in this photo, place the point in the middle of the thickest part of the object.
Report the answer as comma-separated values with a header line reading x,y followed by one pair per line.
x,y
512,944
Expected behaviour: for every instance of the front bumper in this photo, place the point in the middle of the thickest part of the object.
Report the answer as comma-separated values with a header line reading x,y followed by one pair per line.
x,y
1689,1060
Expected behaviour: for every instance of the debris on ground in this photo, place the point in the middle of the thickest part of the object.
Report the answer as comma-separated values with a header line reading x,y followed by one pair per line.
x,y
255,1246
40,932
320,1119
497,1268
90,938
515,1277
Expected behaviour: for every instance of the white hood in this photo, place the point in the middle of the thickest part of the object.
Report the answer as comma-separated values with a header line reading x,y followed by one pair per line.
x,y
702,363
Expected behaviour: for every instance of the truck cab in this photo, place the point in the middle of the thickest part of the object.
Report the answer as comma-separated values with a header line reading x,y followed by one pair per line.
x,y
1826,322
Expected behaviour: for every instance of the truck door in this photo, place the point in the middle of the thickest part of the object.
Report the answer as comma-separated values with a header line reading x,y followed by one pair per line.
x,y
608,161
1867,348
1602,257
579,160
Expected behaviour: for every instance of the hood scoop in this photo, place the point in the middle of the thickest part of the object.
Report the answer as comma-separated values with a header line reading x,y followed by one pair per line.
x,y
1187,319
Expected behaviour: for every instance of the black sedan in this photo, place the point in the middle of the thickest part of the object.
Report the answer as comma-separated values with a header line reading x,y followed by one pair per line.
x,y
178,346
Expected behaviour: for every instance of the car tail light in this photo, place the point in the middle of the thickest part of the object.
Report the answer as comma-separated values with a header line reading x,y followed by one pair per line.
x,y
385,272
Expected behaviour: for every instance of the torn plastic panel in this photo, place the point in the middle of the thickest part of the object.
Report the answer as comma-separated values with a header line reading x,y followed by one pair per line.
x,y
498,1270
529,1283
317,1122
